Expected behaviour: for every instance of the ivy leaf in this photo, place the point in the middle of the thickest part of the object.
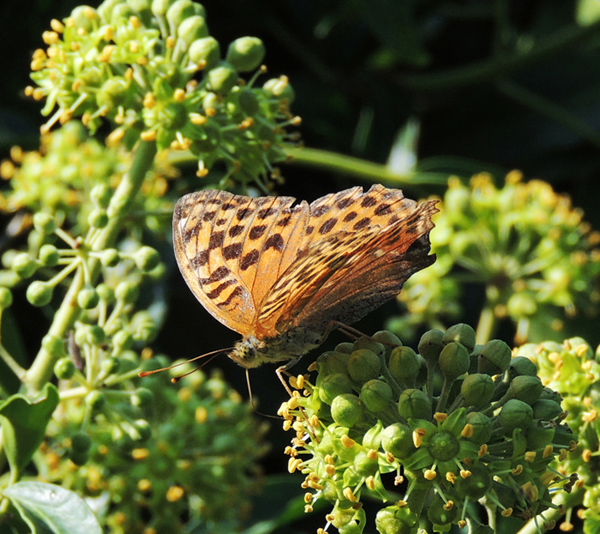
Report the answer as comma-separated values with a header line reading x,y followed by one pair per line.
x,y
50,509
23,424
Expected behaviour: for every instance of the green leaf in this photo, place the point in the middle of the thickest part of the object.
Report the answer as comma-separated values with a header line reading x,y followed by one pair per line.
x,y
23,424
47,508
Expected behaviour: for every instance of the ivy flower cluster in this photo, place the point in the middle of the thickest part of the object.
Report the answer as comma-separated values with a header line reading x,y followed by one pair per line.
x,y
180,457
537,259
428,432
153,71
573,369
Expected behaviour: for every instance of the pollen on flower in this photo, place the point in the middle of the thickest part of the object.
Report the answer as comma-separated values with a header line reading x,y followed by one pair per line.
x,y
465,473
372,454
467,431
440,417
417,436
308,497
144,485
517,470
370,482
482,450
174,493
349,494
347,441
451,477
197,119
448,506
530,456
429,474
398,479
148,135
586,455
389,457
507,513
330,470
589,417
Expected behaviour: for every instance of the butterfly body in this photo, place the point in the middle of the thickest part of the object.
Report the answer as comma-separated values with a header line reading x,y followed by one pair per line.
x,y
281,274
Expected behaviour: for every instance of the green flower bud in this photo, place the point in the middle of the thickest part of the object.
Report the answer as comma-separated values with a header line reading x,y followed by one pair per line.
x,y
79,458
81,442
88,298
398,440
248,101
386,338
110,257
81,18
437,513
475,486
368,344
482,427
364,365
44,223
98,218
127,292
106,293
376,395
520,365
539,434
111,366
404,363
526,388
461,333
49,255
53,345
192,29
145,331
333,385
142,431
96,335
39,293
494,357
121,12
24,265
395,520
280,88
95,401
6,298
222,78
515,414
443,446
431,345
113,93
363,465
454,360
207,51
64,369
413,403
142,398
122,340
178,12
101,195
146,258
477,389
546,409
246,53
332,362
160,7
347,410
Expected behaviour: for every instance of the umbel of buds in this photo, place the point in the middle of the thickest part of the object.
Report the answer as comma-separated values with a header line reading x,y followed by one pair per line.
x,y
429,432
152,70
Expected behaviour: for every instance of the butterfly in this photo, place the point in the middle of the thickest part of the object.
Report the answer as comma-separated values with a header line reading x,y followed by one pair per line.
x,y
284,274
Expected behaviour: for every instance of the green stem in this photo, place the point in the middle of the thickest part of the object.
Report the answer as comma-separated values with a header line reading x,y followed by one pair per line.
x,y
40,371
564,501
486,325
360,168
501,65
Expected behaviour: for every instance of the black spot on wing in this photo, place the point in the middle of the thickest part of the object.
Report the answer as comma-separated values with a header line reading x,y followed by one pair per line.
x,y
362,223
216,276
216,240
383,209
344,203
200,259
275,241
230,252
351,216
236,230
244,213
327,225
320,210
368,201
249,259
219,289
236,292
209,215
257,231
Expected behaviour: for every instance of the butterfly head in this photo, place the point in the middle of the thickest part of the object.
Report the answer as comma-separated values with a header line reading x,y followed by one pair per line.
x,y
248,352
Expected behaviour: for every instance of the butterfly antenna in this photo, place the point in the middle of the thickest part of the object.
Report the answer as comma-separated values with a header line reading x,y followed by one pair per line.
x,y
214,353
